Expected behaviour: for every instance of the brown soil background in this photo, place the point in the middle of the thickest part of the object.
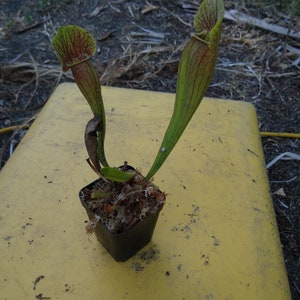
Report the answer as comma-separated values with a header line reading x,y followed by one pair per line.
x,y
139,45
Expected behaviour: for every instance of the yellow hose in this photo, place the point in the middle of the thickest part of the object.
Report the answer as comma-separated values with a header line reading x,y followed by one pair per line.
x,y
281,134
11,128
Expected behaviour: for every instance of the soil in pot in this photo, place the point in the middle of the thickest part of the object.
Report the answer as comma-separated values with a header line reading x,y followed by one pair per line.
x,y
122,215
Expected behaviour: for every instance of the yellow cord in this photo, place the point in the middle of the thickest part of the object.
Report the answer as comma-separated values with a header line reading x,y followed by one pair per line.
x,y
11,128
281,134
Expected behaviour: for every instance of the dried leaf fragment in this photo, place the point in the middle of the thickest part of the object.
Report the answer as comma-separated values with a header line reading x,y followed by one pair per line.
x,y
91,141
104,36
91,225
148,8
280,192
96,11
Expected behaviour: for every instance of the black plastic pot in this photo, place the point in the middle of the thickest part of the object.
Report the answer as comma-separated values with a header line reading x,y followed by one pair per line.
x,y
122,246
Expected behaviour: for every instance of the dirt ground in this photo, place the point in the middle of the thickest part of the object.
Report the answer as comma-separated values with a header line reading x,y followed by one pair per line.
x,y
139,44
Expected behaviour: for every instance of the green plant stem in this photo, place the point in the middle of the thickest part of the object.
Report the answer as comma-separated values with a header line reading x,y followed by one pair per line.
x,y
195,72
88,82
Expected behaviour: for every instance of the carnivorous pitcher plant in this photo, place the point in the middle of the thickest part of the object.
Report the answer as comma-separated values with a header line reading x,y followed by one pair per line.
x,y
75,46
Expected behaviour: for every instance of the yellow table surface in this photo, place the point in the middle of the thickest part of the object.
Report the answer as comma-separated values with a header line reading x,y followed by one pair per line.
x,y
216,237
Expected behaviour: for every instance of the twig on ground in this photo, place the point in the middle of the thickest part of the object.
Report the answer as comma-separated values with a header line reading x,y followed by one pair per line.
x,y
284,181
17,130
239,17
283,156
32,26
177,17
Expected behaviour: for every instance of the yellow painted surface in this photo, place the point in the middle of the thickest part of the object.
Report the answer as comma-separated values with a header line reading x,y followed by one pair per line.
x,y
216,237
